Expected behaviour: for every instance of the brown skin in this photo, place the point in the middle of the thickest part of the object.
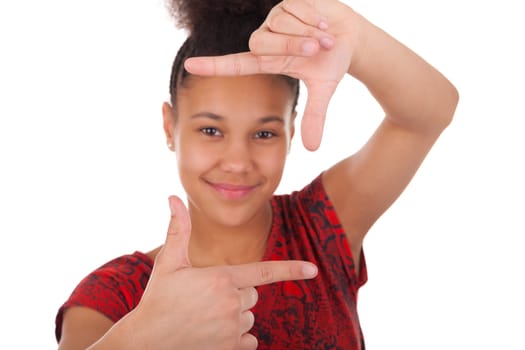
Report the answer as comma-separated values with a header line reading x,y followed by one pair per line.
x,y
417,100
247,145
213,304
257,118
82,327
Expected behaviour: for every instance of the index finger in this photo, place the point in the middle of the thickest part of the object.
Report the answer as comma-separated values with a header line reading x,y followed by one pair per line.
x,y
235,64
266,272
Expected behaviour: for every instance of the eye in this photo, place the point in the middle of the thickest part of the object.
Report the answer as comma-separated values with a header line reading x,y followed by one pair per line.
x,y
209,131
264,135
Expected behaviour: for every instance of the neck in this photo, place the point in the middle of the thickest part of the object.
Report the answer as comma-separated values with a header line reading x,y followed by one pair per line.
x,y
215,244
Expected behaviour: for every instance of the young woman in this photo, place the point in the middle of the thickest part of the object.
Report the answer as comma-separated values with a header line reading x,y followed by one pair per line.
x,y
243,268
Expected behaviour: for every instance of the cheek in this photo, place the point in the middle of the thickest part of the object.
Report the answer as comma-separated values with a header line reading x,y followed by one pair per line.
x,y
191,156
271,162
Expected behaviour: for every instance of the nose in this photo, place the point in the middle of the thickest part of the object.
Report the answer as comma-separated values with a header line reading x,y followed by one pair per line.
x,y
236,157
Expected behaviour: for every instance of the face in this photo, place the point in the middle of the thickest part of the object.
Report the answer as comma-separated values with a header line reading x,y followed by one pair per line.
x,y
231,136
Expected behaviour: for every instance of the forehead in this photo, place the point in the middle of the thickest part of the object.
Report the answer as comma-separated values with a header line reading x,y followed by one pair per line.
x,y
254,94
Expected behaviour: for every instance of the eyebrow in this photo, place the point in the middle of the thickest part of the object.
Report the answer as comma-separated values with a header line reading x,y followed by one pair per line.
x,y
216,117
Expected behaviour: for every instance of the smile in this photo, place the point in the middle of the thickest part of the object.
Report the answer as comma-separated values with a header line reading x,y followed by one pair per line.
x,y
230,191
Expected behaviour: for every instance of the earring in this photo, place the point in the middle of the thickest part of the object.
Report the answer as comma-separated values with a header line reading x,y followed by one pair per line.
x,y
170,146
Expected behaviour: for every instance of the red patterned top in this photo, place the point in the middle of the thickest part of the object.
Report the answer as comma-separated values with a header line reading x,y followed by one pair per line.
x,y
314,314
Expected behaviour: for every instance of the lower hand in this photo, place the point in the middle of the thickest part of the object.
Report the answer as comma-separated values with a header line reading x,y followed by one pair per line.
x,y
184,307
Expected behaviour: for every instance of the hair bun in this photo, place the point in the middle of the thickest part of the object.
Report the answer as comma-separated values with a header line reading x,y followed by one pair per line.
x,y
194,14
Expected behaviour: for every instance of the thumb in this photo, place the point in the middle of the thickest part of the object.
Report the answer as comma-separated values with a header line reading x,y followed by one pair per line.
x,y
319,95
174,254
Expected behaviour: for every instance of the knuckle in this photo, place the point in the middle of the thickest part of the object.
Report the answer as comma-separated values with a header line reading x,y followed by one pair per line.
x,y
248,342
261,63
304,9
288,5
275,22
266,273
248,320
255,41
292,46
255,296
237,66
288,45
250,298
251,317
291,272
293,6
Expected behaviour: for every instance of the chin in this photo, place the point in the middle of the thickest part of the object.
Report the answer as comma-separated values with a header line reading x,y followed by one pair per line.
x,y
231,213
236,216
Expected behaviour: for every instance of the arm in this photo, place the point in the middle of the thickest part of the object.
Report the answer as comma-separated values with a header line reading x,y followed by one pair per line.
x,y
331,41
82,327
183,307
418,103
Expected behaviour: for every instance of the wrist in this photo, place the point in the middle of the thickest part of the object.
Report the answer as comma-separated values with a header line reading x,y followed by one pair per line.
x,y
360,37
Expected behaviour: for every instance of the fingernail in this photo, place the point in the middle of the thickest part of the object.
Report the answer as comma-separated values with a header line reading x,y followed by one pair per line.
x,y
326,42
309,270
309,47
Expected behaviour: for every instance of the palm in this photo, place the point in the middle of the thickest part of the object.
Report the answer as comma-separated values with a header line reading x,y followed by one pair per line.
x,y
321,74
325,68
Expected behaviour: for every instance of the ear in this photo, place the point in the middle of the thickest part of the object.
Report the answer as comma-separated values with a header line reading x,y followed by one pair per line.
x,y
168,122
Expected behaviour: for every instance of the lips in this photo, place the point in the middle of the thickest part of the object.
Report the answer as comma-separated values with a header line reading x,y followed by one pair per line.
x,y
232,191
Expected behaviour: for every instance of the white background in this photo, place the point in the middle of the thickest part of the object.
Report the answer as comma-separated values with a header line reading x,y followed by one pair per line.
x,y
85,173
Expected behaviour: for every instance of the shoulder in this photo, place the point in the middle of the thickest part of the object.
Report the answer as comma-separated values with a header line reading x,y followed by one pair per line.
x,y
311,192
129,271
113,289
309,203
129,264
131,268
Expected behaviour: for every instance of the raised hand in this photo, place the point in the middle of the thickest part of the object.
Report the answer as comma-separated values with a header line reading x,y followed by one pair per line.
x,y
311,40
203,308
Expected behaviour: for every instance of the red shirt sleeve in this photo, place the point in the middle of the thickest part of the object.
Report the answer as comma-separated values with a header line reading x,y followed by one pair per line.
x,y
114,289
